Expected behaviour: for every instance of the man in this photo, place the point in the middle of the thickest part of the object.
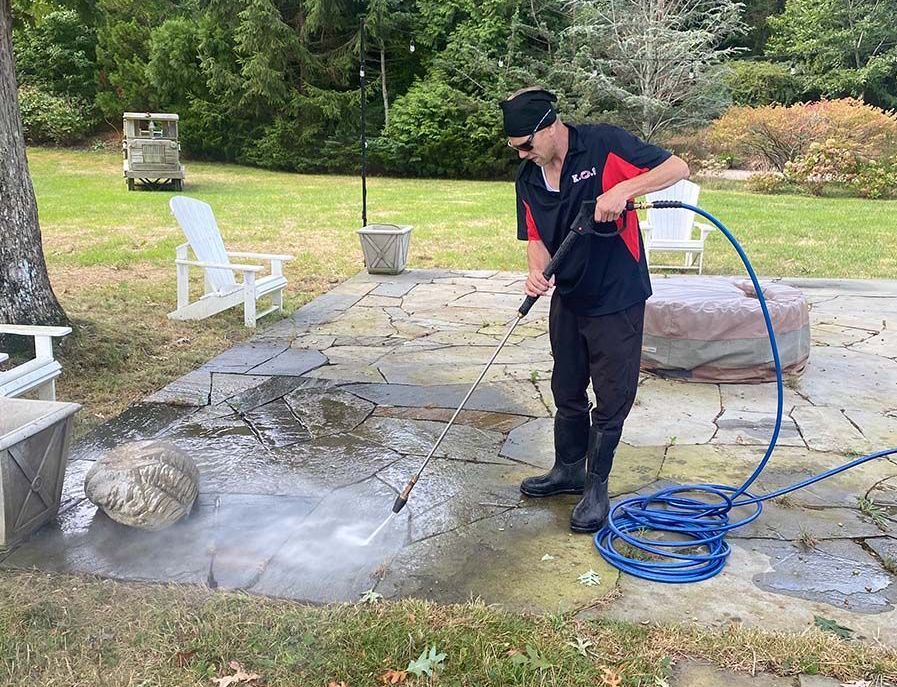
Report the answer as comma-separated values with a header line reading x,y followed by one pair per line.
x,y
598,305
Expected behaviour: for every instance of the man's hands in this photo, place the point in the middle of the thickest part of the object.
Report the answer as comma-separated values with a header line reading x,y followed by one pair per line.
x,y
609,206
537,284
537,259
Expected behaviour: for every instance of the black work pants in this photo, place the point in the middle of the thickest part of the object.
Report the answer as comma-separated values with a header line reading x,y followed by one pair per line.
x,y
606,351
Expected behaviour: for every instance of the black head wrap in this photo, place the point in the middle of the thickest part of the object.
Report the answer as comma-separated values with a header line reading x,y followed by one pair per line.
x,y
526,111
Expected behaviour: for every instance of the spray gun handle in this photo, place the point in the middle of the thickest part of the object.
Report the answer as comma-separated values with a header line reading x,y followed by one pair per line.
x,y
550,269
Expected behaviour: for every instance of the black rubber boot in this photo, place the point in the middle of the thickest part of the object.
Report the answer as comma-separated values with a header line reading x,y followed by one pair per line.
x,y
571,437
590,514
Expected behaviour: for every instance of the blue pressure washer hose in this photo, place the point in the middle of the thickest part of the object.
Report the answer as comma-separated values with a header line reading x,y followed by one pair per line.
x,y
699,527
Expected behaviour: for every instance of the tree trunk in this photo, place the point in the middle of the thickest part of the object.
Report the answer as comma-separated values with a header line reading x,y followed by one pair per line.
x,y
26,296
383,85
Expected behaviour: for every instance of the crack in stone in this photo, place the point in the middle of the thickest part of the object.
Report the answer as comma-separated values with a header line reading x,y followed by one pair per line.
x,y
722,409
800,394
254,430
758,537
813,304
861,341
297,418
800,432
855,425
535,383
663,461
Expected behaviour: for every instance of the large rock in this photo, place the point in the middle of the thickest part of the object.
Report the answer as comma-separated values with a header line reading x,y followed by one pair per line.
x,y
146,484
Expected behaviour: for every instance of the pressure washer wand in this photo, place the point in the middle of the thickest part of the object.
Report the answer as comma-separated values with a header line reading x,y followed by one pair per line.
x,y
402,498
583,224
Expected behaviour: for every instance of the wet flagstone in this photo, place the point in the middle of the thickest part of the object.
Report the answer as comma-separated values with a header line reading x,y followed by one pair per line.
x,y
840,573
193,389
245,356
502,397
140,421
323,412
226,385
416,437
305,434
481,419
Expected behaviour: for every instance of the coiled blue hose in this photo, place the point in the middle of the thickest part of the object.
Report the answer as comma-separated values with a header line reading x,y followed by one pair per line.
x,y
697,548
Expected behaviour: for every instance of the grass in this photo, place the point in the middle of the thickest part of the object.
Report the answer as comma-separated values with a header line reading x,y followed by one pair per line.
x,y
110,258
65,630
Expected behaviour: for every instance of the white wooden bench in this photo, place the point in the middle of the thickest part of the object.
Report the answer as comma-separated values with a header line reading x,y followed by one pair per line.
x,y
222,291
39,373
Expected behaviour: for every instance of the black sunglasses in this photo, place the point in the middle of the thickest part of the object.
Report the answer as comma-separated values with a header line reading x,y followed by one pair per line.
x,y
527,145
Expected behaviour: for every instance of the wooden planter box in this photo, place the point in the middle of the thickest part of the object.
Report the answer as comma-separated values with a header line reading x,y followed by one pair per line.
x,y
34,442
385,247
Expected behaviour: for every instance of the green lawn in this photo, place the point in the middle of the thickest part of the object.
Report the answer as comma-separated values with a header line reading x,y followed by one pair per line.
x,y
90,219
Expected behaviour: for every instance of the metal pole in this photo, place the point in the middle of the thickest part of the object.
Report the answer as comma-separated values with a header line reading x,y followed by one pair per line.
x,y
364,143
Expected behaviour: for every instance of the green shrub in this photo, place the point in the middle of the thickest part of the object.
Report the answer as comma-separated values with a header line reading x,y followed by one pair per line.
x,y
57,54
437,130
839,163
769,183
762,83
876,180
48,118
830,161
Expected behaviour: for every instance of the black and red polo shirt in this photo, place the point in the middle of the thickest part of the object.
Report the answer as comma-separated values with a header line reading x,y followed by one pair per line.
x,y
601,275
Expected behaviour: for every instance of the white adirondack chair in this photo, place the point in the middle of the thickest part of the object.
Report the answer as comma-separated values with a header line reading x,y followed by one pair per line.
x,y
39,373
675,230
222,291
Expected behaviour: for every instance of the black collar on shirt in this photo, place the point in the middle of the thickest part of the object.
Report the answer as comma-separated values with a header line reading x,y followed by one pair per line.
x,y
532,174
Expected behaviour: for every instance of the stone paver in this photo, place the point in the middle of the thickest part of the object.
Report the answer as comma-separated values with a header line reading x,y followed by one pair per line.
x,y
305,435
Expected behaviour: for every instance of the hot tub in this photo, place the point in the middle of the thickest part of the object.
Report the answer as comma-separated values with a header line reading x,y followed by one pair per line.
x,y
711,329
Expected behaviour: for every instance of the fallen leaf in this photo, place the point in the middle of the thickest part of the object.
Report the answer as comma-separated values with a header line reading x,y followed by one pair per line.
x,y
240,675
394,677
590,578
610,678
427,663
582,645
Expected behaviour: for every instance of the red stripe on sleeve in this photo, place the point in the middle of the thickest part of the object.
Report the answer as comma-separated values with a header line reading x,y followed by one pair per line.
x,y
532,231
616,169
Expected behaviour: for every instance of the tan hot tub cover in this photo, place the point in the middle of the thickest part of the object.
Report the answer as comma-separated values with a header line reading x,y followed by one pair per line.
x,y
711,329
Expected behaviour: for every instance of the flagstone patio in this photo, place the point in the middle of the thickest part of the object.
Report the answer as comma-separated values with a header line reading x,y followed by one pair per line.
x,y
305,434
